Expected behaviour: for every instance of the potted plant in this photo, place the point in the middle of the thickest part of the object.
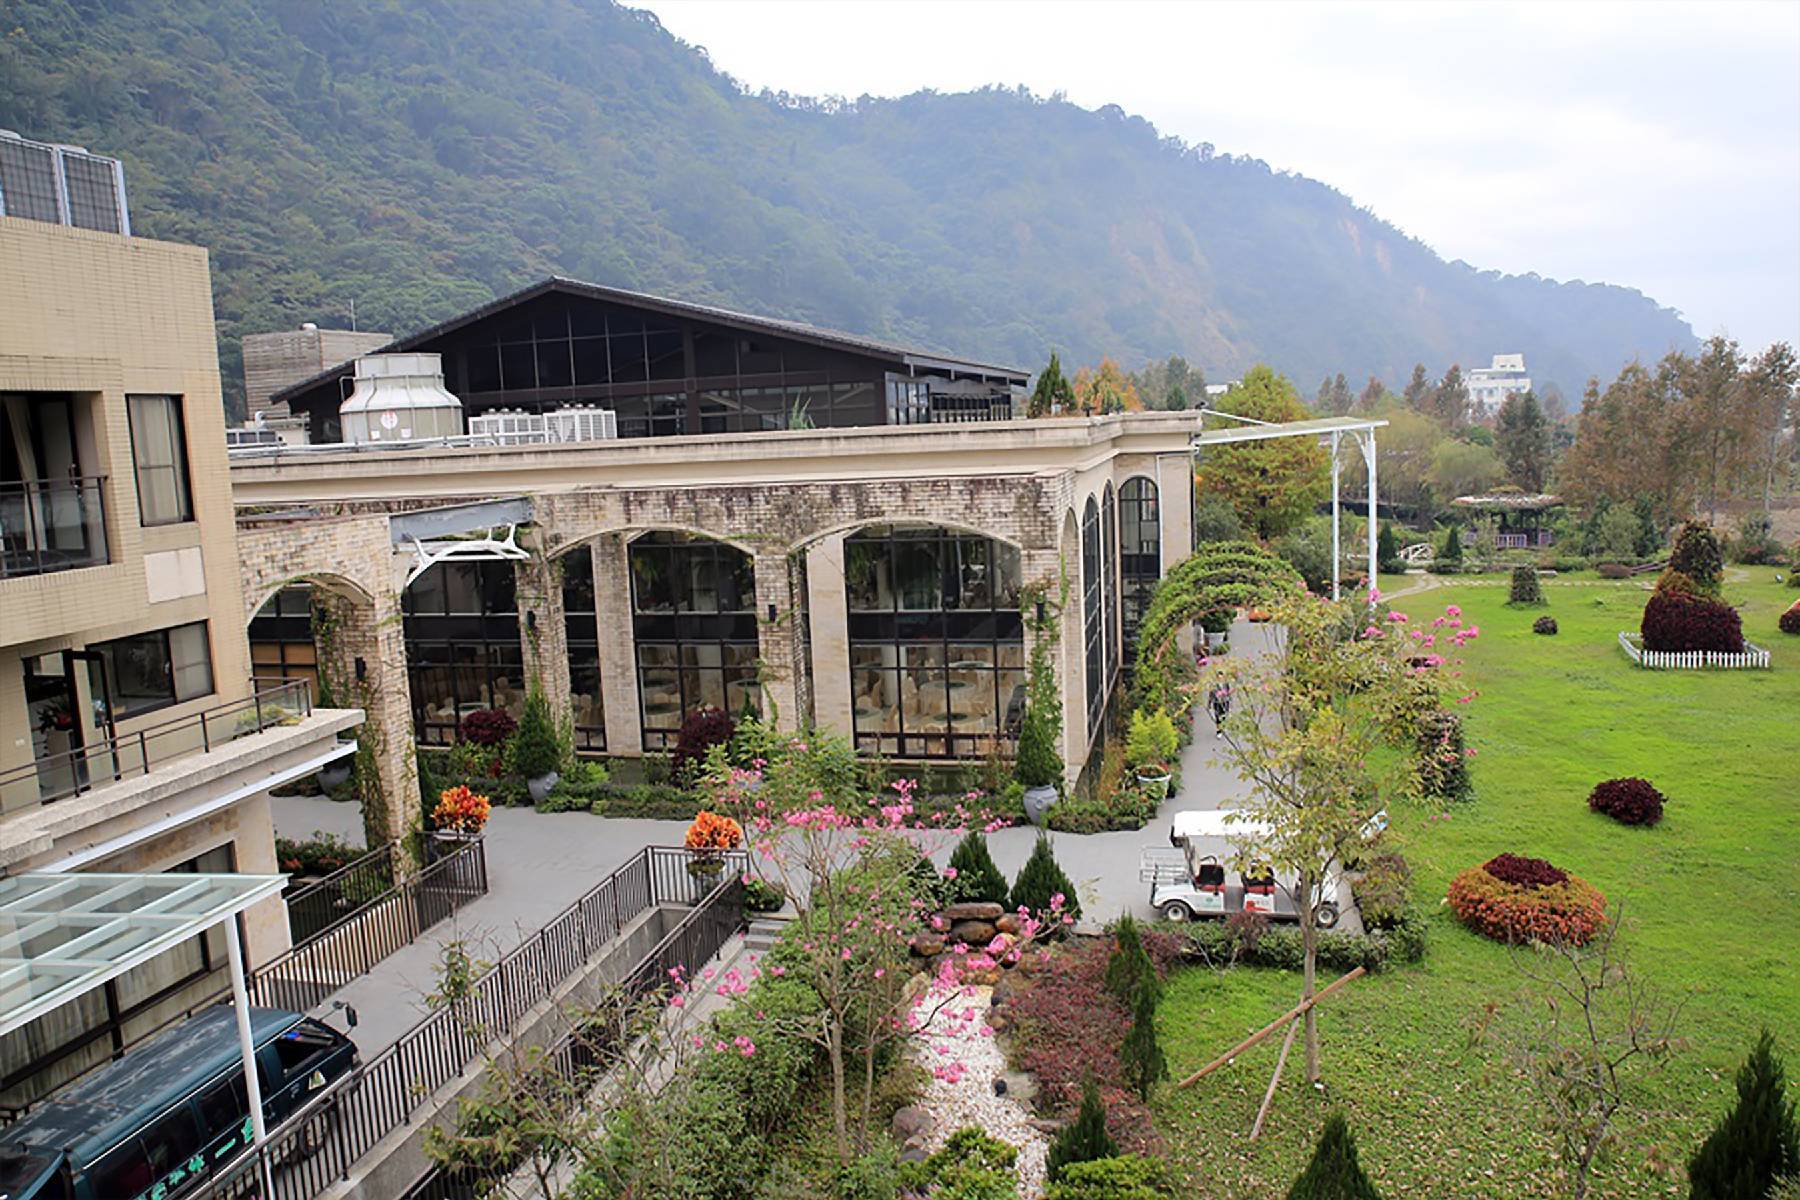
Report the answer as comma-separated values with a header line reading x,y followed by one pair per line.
x,y
709,837
1217,624
1150,749
536,750
460,815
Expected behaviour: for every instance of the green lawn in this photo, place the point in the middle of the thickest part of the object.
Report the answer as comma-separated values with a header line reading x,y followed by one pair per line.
x,y
1710,895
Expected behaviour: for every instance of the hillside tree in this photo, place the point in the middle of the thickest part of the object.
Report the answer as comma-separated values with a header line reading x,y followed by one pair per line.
x,y
1274,485
1106,389
1522,436
1418,388
1052,393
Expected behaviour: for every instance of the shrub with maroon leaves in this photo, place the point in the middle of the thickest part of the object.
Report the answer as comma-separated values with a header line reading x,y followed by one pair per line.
x,y
488,727
1514,899
1678,623
703,729
1525,872
1628,801
1790,620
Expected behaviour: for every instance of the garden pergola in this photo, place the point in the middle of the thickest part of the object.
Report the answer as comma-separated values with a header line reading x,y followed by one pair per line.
x,y
1331,432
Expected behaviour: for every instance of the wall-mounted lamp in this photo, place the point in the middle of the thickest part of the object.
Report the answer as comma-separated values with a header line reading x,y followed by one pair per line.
x,y
531,619
362,669
771,612
1040,610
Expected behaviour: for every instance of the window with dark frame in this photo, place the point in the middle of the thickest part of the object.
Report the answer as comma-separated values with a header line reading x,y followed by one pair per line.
x,y
461,623
1140,553
937,642
1091,610
281,638
694,630
582,626
1109,583
154,669
159,458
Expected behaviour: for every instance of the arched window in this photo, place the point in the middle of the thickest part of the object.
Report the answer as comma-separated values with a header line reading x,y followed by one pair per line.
x,y
693,606
582,625
461,623
937,643
1092,616
1109,573
1140,552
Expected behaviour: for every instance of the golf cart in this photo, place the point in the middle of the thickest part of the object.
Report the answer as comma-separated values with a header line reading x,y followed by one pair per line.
x,y
1190,879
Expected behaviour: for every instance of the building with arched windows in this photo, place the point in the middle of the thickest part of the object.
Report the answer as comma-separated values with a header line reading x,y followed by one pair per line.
x,y
877,565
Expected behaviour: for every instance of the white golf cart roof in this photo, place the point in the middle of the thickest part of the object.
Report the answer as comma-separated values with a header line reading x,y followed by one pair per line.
x,y
1217,823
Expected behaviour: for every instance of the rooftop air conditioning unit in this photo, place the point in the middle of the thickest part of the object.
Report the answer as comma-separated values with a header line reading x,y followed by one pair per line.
x,y
581,424
400,398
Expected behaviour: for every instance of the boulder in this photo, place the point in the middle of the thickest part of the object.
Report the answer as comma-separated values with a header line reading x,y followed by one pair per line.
x,y
973,910
927,944
1006,990
972,933
1008,923
999,1019
910,1122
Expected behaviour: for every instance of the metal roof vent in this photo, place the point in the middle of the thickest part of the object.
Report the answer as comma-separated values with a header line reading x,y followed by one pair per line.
x,y
400,397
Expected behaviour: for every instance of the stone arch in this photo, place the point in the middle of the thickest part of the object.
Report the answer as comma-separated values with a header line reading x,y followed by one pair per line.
x,y
331,581
631,531
856,524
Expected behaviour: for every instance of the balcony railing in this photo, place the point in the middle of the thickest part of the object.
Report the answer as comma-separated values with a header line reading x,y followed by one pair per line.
x,y
73,772
51,525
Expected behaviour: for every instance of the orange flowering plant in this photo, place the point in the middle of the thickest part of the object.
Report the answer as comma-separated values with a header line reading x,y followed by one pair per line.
x,y
714,831
1561,908
460,811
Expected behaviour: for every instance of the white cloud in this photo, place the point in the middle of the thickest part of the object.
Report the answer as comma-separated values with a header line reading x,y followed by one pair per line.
x,y
1652,145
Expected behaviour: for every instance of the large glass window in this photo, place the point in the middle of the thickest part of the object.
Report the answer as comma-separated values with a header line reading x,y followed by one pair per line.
x,y
1109,581
281,640
1092,614
694,622
159,454
155,669
583,629
1140,553
937,645
462,645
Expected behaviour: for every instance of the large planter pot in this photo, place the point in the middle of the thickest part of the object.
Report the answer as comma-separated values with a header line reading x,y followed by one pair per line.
x,y
540,787
445,842
333,776
1155,783
1215,640
1037,803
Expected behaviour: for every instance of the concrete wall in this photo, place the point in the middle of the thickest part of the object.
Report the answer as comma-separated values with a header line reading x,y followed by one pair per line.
x,y
273,361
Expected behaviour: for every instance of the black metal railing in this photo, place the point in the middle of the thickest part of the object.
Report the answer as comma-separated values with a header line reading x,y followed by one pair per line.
x,y
73,772
318,1145
316,906
51,525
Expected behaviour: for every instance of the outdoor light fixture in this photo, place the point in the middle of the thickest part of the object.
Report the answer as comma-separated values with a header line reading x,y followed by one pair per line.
x,y
1040,610
771,612
531,618
362,669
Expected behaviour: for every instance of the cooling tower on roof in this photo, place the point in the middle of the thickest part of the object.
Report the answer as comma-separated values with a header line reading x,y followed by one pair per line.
x,y
400,397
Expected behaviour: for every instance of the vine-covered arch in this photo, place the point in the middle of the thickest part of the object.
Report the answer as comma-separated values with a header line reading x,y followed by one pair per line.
x,y
1219,575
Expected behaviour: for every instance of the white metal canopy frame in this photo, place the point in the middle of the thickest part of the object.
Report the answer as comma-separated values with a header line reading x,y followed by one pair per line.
x,y
64,935
1331,432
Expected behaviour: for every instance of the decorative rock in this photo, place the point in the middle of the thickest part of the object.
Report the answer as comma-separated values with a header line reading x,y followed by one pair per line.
x,y
914,1154
927,944
911,1122
973,910
1008,923
972,933
1018,1085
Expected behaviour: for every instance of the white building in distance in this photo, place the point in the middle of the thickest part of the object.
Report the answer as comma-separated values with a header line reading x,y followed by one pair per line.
x,y
1490,386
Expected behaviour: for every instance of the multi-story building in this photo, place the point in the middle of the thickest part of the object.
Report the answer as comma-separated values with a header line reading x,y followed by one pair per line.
x,y
274,362
818,526
1490,386
132,738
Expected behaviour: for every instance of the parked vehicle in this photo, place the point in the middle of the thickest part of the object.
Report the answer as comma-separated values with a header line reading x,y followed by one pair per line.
x,y
1190,879
156,1123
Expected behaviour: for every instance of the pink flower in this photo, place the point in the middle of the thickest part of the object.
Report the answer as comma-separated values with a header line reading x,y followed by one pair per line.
x,y
1452,610
949,872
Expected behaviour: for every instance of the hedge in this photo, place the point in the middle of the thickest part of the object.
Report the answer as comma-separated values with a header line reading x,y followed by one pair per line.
x,y
1279,946
1570,911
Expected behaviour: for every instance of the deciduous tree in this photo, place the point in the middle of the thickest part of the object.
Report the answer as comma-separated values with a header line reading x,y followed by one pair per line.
x,y
1522,436
1418,388
1106,389
1272,484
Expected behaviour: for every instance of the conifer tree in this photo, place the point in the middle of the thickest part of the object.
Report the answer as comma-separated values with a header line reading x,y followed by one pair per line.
x,y
1085,1138
1755,1144
1333,1173
1387,552
977,878
1129,970
1053,388
1040,879
1141,1055
1453,547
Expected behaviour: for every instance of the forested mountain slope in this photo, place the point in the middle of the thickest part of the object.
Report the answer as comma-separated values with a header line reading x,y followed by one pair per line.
x,y
421,158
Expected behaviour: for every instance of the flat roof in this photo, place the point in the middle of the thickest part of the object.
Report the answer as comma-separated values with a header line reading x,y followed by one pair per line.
x,y
63,935
1262,432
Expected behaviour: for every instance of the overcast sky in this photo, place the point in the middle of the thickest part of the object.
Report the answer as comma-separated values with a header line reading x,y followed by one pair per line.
x,y
1655,145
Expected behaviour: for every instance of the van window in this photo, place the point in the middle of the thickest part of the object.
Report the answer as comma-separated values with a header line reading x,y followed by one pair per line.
x,y
124,1173
300,1048
171,1140
222,1106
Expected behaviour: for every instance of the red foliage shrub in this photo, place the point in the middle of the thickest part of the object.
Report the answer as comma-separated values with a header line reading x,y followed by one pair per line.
x,y
1524,872
703,729
488,727
1790,620
1569,911
1678,623
1629,801
1068,1027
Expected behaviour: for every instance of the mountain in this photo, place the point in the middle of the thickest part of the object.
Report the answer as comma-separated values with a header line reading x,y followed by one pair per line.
x,y
420,158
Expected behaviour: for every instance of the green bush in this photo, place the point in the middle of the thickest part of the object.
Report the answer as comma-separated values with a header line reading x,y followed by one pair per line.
x,y
1278,946
1152,741
1384,890
536,748
1442,758
977,878
1141,1056
1756,1142
1039,763
761,896
1085,1138
1755,543
1215,520
1387,552
1129,969
1699,556
1452,551
659,801
1334,1173
1525,589
1040,879
971,1166
1125,1177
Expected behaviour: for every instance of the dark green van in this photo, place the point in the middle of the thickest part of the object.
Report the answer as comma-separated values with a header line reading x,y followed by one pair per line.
x,y
156,1123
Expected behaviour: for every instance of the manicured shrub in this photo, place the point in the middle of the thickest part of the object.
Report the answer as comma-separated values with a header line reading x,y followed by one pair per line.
x,y
1789,621
971,1166
1141,1056
1525,589
1384,890
977,878
1698,555
1443,763
1756,1143
1453,548
1040,880
703,729
536,749
1544,625
1613,570
1676,583
1125,1177
1129,970
1152,742
1387,553
1279,948
488,727
1680,623
1334,1173
761,896
1555,907
1629,801
1085,1138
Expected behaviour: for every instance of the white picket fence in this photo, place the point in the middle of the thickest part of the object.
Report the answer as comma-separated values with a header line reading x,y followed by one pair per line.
x,y
1754,658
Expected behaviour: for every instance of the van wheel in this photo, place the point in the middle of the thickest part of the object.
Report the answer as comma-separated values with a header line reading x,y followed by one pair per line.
x,y
316,1133
1175,912
1325,916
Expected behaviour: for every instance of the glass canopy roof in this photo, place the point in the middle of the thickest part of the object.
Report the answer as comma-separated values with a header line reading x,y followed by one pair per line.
x,y
64,935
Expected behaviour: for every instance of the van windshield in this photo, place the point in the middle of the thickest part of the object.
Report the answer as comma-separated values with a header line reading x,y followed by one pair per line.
x,y
19,1172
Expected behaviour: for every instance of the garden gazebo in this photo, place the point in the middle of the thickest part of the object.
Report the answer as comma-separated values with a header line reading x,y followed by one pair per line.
x,y
1523,517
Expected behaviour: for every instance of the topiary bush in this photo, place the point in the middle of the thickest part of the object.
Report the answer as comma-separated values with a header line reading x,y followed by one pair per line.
x,y
1443,763
1387,553
1514,899
487,727
1334,1173
1525,588
1545,625
1085,1138
1699,556
1041,879
1757,1143
1680,623
1789,621
703,729
536,749
977,878
1125,1177
1628,801
1129,969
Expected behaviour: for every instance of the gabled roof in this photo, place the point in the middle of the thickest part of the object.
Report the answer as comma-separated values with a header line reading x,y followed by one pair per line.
x,y
831,339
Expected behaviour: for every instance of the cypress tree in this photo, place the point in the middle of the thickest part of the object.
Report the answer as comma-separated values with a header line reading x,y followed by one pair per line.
x,y
1085,1138
1754,1144
977,878
1387,552
1129,971
1453,547
1140,1054
1052,388
1334,1173
1040,879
